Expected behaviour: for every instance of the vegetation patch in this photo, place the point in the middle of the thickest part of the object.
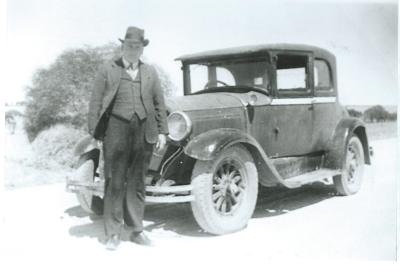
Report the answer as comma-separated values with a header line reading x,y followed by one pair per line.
x,y
54,147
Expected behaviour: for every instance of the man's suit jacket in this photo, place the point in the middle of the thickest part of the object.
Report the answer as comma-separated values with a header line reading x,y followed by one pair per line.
x,y
105,88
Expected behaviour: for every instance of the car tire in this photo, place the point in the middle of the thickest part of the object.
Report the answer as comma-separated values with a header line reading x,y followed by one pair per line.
x,y
349,182
225,191
90,203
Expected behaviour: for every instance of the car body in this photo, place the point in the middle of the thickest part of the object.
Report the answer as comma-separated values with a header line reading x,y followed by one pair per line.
x,y
255,115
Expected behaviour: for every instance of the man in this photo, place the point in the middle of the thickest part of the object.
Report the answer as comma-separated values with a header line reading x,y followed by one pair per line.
x,y
127,112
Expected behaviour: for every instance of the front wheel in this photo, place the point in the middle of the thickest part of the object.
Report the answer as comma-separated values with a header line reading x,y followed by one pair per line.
x,y
225,191
349,182
90,203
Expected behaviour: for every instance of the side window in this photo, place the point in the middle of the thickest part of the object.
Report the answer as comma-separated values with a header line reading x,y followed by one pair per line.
x,y
292,74
322,77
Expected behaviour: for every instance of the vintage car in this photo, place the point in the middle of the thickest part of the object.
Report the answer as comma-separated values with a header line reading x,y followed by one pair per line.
x,y
257,115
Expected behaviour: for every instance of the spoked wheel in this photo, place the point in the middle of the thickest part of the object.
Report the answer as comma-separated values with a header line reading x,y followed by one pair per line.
x,y
229,187
225,191
90,203
349,182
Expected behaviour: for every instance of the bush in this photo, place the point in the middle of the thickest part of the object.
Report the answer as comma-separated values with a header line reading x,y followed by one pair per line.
x,y
54,147
61,92
166,84
376,113
13,113
354,113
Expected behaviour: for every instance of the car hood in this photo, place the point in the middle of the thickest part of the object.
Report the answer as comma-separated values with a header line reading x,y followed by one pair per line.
x,y
203,102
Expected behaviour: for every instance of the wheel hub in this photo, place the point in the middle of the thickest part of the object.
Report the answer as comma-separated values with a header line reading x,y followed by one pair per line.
x,y
352,166
228,187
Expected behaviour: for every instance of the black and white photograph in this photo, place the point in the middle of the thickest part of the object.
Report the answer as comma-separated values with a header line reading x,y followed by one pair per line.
x,y
195,137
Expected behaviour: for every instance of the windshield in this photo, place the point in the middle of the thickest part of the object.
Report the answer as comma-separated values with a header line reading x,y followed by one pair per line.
x,y
248,73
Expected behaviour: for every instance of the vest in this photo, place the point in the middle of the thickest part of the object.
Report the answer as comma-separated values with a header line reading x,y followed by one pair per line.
x,y
128,100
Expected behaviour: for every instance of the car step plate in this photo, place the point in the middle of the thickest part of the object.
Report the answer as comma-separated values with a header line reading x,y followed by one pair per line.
x,y
297,181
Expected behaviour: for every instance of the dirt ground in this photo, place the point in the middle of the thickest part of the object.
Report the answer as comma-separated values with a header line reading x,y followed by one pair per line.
x,y
45,230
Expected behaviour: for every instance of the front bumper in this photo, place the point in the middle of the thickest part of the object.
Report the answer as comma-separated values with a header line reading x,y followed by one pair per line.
x,y
162,192
74,186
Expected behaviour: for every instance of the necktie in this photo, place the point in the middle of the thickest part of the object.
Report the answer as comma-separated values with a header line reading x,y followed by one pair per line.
x,y
130,67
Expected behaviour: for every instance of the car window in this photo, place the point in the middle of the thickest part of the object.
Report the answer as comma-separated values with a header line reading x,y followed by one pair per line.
x,y
292,74
322,76
251,73
292,78
198,76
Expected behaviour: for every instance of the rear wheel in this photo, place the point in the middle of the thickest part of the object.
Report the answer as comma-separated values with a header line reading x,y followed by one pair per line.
x,y
225,191
349,182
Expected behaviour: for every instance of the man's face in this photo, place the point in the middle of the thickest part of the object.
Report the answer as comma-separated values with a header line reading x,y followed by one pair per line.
x,y
132,51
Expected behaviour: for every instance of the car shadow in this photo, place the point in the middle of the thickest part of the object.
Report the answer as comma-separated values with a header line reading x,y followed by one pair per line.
x,y
275,201
76,211
178,218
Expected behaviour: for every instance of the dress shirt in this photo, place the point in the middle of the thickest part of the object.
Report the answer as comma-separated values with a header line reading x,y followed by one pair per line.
x,y
131,70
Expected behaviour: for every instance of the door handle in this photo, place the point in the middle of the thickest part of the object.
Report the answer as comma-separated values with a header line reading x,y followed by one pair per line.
x,y
313,101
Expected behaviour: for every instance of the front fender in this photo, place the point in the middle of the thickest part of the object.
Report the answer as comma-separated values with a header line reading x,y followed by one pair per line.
x,y
83,144
207,145
86,149
343,132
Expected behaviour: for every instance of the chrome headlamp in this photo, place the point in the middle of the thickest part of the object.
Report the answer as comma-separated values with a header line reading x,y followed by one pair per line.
x,y
179,125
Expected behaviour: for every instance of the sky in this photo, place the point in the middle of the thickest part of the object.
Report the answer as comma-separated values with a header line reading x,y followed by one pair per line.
x,y
362,35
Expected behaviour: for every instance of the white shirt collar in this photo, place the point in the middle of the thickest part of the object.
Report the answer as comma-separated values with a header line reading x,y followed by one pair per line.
x,y
126,63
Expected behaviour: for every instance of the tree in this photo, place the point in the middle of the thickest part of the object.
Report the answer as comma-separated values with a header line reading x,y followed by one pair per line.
x,y
393,116
376,113
166,84
61,92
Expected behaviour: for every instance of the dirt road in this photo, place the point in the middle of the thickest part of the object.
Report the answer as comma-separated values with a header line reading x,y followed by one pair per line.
x,y
45,225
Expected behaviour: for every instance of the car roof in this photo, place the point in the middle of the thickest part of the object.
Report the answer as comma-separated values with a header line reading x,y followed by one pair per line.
x,y
254,50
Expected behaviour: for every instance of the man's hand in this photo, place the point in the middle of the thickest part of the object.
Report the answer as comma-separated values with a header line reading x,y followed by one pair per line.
x,y
162,140
99,143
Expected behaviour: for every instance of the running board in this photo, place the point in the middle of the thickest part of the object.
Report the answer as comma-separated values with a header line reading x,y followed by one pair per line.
x,y
297,181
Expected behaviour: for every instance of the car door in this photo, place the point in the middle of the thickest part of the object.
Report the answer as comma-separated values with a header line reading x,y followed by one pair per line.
x,y
324,104
285,126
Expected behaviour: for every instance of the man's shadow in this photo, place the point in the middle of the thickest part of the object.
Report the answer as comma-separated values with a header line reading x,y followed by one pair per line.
x,y
93,229
178,218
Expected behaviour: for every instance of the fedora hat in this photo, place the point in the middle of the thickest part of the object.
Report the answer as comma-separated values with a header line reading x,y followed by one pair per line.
x,y
134,34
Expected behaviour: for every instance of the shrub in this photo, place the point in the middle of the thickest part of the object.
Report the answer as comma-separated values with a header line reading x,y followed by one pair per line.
x,y
354,113
376,113
53,147
13,113
61,92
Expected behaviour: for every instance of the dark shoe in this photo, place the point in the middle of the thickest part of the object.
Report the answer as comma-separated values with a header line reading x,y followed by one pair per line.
x,y
112,242
141,238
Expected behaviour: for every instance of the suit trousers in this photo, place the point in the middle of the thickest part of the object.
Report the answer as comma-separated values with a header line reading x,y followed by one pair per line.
x,y
126,160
